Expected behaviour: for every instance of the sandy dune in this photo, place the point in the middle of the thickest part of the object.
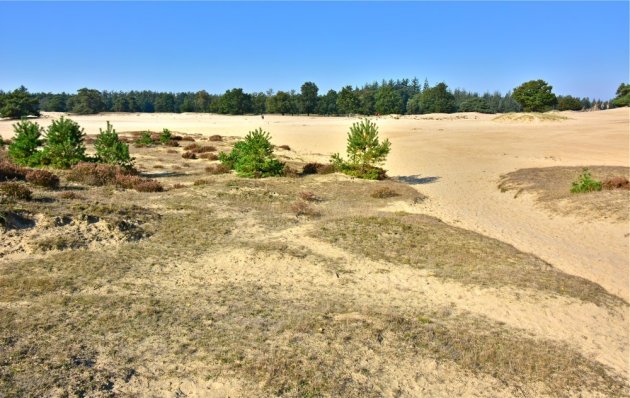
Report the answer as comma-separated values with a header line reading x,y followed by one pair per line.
x,y
457,160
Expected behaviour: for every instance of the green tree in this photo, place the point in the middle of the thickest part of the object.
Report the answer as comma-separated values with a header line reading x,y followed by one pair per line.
x,y
348,101
110,149
475,105
279,103
26,140
569,103
19,103
64,144
388,101
623,96
365,152
87,102
328,103
235,102
253,156
165,102
308,97
535,96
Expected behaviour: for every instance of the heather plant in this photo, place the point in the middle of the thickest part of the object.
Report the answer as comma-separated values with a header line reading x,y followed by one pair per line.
x,y
24,148
253,157
65,145
42,178
586,183
15,191
364,152
111,150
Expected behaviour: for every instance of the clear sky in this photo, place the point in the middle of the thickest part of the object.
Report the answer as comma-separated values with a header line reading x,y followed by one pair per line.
x,y
580,48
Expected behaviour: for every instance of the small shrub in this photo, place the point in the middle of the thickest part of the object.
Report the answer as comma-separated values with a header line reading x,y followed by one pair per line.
x,y
205,149
158,166
301,208
253,156
109,148
191,147
43,178
586,183
145,139
172,151
618,182
70,195
215,138
364,152
188,138
209,156
176,138
308,196
217,169
23,149
172,143
384,193
189,155
97,174
318,168
64,144
177,186
201,182
285,147
165,136
15,191
148,185
10,171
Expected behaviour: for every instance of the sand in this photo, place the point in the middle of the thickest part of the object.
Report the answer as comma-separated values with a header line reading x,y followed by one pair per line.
x,y
457,161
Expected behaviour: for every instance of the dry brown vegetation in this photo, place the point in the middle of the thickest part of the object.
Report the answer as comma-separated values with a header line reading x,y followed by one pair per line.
x,y
108,292
552,186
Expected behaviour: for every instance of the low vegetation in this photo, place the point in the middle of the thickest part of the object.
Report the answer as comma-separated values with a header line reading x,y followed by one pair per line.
x,y
585,183
364,152
253,156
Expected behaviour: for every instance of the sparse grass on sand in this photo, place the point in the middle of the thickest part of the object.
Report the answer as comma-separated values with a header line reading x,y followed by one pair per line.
x,y
197,294
530,117
552,187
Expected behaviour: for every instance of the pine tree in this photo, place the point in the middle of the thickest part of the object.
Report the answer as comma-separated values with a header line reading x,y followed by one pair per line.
x,y
64,144
23,149
109,148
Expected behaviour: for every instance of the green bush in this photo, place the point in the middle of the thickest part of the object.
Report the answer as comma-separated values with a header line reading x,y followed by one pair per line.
x,y
165,136
145,139
364,152
64,144
23,149
111,150
586,183
253,157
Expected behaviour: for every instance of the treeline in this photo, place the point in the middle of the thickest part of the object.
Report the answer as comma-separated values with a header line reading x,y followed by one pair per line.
x,y
388,97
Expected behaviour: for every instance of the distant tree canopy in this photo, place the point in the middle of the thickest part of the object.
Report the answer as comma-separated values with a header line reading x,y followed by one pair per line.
x,y
385,97
623,95
308,98
535,96
87,102
19,103
569,103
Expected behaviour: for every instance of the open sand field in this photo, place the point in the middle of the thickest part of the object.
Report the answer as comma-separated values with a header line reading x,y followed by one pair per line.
x,y
479,278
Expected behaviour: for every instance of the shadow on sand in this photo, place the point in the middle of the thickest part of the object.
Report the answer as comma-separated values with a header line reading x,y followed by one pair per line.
x,y
416,180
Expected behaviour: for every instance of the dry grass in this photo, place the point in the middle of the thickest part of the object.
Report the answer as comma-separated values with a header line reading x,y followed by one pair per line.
x,y
530,117
552,185
383,193
168,303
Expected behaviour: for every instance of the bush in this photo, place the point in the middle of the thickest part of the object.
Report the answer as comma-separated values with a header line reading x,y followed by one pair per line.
x,y
364,152
166,136
308,196
585,183
189,155
384,193
253,157
140,184
285,147
215,138
96,174
148,185
318,168
217,169
15,191
10,171
43,178
70,195
23,149
301,208
64,144
209,156
618,182
145,139
110,150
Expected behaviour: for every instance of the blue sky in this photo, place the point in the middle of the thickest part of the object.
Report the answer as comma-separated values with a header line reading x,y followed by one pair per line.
x,y
580,48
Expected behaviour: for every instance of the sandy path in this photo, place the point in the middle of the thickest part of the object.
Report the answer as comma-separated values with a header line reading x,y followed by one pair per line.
x,y
465,154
